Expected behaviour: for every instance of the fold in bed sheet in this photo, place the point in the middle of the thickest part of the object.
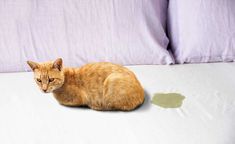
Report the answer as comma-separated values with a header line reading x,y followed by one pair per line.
x,y
207,115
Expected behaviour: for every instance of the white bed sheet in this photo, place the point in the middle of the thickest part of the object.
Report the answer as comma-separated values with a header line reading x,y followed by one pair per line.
x,y
207,115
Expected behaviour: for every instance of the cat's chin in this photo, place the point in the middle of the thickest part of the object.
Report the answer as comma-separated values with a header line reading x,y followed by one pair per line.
x,y
48,91
45,91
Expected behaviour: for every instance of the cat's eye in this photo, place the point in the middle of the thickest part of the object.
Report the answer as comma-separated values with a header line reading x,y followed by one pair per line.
x,y
51,79
39,80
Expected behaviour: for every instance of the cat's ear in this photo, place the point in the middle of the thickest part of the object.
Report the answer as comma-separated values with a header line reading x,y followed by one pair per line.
x,y
33,65
58,64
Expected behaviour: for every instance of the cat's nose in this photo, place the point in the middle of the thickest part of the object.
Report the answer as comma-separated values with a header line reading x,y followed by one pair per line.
x,y
44,90
44,87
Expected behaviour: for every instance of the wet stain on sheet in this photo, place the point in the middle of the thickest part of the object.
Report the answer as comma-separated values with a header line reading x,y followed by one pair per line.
x,y
168,100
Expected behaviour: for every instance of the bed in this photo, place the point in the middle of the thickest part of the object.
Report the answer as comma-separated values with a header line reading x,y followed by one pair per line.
x,y
150,35
206,116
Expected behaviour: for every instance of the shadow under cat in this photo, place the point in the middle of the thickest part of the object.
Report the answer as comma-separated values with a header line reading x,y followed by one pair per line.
x,y
143,107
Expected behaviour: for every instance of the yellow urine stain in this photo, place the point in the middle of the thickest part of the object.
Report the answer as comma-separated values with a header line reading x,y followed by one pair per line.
x,y
168,100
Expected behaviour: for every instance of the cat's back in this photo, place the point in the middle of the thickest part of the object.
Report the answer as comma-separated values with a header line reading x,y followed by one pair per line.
x,y
93,75
93,72
101,70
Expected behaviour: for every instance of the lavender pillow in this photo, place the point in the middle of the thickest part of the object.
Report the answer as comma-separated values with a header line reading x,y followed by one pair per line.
x,y
202,30
81,31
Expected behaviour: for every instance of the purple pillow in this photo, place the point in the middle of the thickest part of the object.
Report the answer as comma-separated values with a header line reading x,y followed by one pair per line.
x,y
127,32
202,30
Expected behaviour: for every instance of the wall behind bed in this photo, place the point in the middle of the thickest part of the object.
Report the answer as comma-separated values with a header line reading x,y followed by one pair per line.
x,y
82,31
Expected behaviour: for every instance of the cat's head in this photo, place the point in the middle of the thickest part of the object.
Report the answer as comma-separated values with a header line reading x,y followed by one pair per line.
x,y
49,75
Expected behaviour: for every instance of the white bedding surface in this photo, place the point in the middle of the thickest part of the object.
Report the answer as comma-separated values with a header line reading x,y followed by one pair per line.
x,y
207,115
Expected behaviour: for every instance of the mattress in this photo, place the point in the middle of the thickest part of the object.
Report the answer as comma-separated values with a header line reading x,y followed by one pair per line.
x,y
207,115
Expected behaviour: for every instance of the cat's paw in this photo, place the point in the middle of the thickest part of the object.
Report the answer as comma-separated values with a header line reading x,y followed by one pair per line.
x,y
97,108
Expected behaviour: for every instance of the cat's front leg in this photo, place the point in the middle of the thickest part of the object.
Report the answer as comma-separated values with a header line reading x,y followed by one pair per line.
x,y
67,100
96,108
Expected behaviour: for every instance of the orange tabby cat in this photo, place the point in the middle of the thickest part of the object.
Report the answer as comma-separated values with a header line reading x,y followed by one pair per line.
x,y
100,86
